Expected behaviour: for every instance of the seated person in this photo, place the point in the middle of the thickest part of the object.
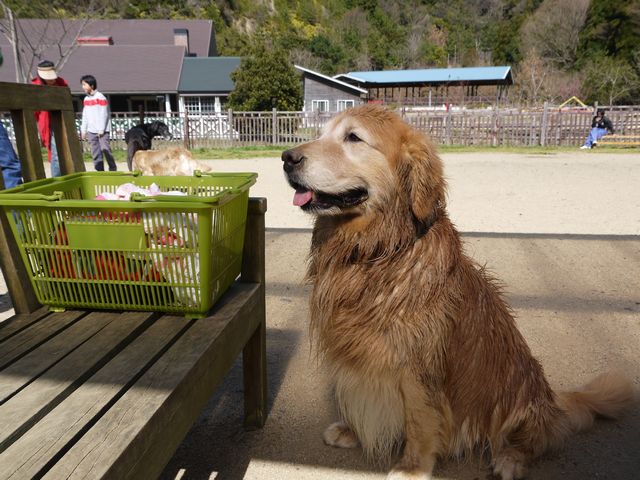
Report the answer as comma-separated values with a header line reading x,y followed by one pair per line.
x,y
600,126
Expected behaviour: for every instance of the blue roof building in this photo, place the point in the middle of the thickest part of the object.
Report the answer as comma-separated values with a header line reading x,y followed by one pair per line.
x,y
430,77
434,86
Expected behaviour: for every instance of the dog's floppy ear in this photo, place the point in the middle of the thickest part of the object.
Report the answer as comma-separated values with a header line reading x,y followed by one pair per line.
x,y
421,176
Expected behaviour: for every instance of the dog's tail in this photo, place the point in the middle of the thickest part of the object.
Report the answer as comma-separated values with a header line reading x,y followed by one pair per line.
x,y
607,395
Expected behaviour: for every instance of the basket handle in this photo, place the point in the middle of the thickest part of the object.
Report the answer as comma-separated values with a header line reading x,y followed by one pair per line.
x,y
221,198
54,197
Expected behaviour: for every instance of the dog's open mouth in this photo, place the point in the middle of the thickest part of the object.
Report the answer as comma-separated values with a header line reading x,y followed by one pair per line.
x,y
316,200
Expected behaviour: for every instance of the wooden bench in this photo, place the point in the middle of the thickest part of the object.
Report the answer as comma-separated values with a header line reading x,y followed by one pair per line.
x,y
105,394
620,140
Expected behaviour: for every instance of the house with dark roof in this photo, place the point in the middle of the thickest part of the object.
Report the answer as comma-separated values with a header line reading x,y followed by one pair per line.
x,y
156,65
205,83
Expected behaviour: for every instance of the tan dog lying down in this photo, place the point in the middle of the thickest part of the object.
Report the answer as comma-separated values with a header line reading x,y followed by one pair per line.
x,y
168,161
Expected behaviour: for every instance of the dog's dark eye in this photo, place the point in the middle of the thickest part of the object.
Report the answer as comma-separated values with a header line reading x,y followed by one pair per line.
x,y
352,137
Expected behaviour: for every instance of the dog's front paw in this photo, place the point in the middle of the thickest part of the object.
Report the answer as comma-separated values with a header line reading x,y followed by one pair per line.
x,y
509,465
402,475
340,435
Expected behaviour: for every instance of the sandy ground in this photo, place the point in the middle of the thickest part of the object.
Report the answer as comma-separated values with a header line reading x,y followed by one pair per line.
x,y
561,231
569,192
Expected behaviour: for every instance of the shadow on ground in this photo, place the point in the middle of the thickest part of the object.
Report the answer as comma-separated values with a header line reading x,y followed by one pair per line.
x,y
577,303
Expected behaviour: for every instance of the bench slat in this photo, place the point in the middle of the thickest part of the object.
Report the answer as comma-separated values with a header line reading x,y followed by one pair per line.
x,y
29,405
140,432
34,364
49,439
35,335
19,322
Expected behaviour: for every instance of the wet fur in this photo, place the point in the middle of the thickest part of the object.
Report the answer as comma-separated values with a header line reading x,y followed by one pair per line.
x,y
422,347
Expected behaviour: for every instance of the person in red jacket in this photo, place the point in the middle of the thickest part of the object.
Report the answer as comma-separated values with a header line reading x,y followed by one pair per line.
x,y
47,76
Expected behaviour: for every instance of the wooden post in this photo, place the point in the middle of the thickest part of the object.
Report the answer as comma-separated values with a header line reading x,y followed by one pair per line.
x,y
494,127
141,113
186,139
21,291
230,120
28,143
69,151
543,127
274,126
254,354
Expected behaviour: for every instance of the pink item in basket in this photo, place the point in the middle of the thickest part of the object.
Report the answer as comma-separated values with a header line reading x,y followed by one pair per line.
x,y
107,196
124,191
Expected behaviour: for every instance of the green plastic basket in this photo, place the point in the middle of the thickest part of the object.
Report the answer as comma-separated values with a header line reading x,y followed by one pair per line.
x,y
164,253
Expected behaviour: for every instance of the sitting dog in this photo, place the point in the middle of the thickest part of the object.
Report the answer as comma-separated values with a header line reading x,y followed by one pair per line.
x,y
140,136
422,347
169,161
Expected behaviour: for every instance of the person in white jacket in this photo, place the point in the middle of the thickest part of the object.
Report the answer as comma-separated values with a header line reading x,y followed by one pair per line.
x,y
95,124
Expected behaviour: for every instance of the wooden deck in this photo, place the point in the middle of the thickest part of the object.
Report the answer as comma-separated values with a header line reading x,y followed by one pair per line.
x,y
104,394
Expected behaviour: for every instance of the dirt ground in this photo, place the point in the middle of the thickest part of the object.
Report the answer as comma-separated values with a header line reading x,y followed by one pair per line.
x,y
561,231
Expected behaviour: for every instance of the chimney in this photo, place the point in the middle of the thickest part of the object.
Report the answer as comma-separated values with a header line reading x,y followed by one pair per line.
x,y
95,41
181,38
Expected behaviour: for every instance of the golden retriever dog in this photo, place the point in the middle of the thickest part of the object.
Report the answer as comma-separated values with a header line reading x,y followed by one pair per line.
x,y
423,350
169,161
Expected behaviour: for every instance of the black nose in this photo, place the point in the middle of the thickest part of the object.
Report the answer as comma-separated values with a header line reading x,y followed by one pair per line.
x,y
291,158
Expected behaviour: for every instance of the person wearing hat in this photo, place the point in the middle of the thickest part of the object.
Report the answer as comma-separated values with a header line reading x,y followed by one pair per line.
x,y
9,162
600,126
47,75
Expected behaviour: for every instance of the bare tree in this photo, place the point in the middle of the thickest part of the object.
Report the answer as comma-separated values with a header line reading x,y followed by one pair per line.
x,y
531,78
554,30
29,47
609,80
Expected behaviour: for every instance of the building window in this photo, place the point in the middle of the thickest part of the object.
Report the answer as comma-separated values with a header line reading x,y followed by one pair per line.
x,y
200,105
320,105
344,104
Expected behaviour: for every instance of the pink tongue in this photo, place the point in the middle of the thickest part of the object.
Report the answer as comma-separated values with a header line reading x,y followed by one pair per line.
x,y
302,198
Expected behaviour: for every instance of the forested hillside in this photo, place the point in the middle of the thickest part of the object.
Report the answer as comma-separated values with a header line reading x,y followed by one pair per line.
x,y
558,48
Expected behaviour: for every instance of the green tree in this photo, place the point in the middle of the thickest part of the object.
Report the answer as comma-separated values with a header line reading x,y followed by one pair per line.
x,y
331,55
610,80
612,29
264,80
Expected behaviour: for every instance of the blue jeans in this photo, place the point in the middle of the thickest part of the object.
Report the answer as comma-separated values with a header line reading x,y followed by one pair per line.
x,y
55,163
594,135
11,168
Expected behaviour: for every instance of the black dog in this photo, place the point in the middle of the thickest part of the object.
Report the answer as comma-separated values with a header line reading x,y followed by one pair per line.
x,y
139,137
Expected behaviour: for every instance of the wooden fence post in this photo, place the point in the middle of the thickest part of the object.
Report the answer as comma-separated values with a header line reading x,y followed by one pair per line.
x,y
230,120
274,126
186,139
448,127
543,127
494,127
